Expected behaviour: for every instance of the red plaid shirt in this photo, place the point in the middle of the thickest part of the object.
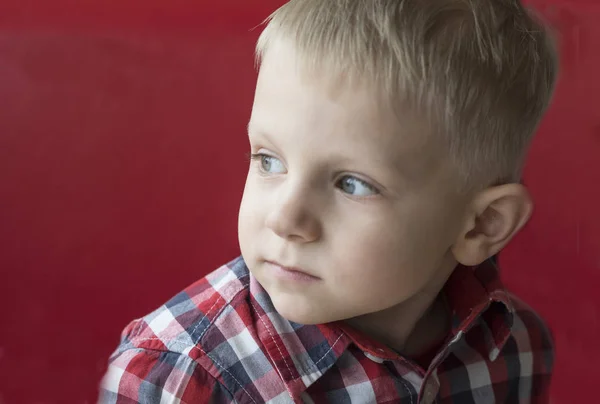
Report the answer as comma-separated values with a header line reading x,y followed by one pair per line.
x,y
221,341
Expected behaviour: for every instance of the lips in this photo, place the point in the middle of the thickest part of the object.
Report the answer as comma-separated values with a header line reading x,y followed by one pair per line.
x,y
291,269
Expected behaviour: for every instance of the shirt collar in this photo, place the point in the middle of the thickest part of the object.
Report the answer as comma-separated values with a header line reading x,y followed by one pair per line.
x,y
477,293
300,353
303,353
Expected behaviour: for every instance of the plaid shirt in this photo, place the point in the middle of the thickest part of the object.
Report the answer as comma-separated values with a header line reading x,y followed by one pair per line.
x,y
221,341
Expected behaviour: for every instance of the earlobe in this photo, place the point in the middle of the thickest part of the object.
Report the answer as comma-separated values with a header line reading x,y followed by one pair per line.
x,y
496,215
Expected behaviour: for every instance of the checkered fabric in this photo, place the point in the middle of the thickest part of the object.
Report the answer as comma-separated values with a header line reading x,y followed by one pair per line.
x,y
221,341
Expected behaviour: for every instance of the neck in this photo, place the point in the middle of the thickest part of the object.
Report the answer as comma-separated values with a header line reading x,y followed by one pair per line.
x,y
411,327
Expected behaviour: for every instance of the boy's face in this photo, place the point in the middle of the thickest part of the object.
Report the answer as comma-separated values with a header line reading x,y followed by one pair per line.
x,y
345,190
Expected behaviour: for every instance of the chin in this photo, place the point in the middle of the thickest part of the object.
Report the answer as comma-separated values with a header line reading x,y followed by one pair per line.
x,y
301,314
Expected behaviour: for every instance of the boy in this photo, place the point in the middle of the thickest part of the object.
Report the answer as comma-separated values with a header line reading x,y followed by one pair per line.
x,y
387,141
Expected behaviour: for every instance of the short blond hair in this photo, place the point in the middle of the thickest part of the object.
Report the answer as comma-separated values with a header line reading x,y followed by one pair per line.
x,y
483,70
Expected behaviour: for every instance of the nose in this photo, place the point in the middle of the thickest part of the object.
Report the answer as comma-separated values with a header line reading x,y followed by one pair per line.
x,y
294,215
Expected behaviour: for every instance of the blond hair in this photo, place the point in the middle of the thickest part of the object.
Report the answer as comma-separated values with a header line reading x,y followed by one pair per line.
x,y
483,70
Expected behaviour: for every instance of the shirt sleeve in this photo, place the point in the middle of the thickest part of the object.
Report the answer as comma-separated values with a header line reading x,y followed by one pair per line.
x,y
158,377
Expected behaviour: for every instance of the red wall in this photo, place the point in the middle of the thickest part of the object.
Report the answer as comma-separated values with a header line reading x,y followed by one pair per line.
x,y
122,141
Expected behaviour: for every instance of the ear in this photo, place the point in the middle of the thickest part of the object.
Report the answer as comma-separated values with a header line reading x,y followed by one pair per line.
x,y
494,217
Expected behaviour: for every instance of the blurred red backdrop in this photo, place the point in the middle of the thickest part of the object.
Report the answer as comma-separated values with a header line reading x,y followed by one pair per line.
x,y
122,141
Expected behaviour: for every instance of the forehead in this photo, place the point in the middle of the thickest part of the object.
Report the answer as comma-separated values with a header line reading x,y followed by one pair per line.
x,y
335,113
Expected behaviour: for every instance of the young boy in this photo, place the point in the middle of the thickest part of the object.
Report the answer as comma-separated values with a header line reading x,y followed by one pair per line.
x,y
387,141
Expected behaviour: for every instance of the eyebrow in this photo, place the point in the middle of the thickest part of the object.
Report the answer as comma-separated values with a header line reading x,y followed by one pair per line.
x,y
252,128
254,131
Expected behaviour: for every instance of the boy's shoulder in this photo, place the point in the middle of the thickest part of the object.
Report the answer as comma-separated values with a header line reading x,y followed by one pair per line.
x,y
521,369
173,355
531,339
502,346
182,322
514,330
526,322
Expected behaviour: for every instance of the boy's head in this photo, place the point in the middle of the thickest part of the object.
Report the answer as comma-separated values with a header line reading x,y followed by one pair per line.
x,y
388,139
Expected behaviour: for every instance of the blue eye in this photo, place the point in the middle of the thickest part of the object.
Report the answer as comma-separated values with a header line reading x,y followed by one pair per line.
x,y
356,187
269,164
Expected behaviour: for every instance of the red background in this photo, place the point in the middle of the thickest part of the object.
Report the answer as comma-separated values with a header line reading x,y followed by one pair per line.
x,y
122,141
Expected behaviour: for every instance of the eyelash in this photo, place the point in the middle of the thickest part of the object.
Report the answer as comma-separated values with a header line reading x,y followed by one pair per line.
x,y
257,157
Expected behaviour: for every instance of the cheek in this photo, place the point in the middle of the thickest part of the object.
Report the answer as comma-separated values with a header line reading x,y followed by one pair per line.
x,y
381,257
249,218
397,259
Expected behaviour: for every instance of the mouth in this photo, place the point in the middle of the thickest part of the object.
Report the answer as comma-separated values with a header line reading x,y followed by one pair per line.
x,y
292,272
